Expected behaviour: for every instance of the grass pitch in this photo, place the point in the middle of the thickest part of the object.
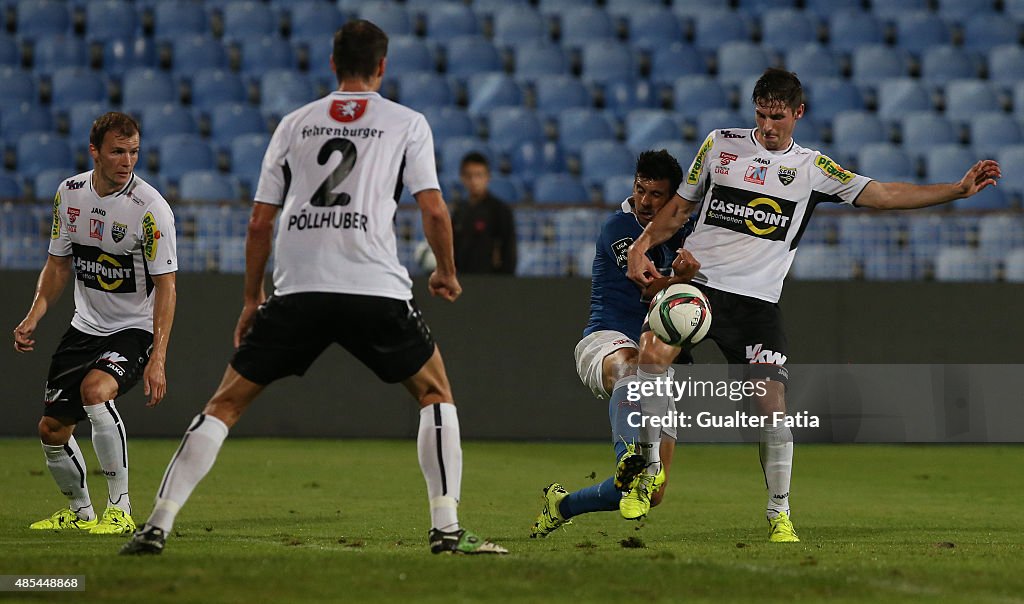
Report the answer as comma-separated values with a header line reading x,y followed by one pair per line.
x,y
313,520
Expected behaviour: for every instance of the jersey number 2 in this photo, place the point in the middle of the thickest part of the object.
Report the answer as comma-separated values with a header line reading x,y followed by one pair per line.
x,y
323,197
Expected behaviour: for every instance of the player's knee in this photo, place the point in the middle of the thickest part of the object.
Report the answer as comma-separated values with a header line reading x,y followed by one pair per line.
x,y
52,432
433,394
225,408
95,392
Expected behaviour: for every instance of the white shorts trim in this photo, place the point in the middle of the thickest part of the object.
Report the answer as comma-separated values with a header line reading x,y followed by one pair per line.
x,y
590,353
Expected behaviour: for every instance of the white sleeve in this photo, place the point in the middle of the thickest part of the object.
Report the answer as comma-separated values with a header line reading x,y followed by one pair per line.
x,y
833,180
420,171
159,244
274,176
60,240
697,178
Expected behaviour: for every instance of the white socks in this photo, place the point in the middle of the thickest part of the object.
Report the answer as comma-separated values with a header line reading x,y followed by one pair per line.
x,y
192,461
652,406
108,439
67,466
440,452
777,463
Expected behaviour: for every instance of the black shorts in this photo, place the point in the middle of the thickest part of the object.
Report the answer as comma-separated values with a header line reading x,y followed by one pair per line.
x,y
123,355
289,333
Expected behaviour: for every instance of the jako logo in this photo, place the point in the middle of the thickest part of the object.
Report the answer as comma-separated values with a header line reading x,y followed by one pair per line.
x,y
757,354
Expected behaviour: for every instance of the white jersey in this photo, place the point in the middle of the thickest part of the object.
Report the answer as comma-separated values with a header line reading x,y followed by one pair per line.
x,y
756,205
336,166
117,242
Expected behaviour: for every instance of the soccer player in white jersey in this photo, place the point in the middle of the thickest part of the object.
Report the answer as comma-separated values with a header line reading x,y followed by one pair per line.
x,y
115,234
757,189
334,170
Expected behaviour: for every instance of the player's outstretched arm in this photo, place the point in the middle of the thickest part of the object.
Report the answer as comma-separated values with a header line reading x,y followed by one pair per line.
x,y
437,226
154,379
907,196
258,243
52,279
684,267
664,224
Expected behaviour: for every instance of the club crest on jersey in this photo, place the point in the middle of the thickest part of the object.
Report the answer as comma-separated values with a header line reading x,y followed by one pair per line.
x,y
750,213
756,174
118,231
786,175
348,111
95,228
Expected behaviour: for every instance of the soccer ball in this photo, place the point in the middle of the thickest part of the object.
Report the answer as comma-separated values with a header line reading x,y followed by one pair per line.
x,y
424,257
680,314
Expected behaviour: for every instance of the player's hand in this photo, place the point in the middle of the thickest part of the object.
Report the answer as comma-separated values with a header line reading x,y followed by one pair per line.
x,y
154,381
653,288
640,269
23,341
444,285
981,175
245,321
685,266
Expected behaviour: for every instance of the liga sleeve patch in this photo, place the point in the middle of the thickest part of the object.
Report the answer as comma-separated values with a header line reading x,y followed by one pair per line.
x,y
620,250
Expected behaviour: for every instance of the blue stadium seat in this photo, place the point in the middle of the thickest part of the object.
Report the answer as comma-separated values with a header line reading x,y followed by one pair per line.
x,y
947,163
988,30
758,7
173,19
51,53
965,98
284,90
1006,65
317,21
852,29
10,187
1014,266
694,94
671,62
899,96
989,198
555,94
644,127
559,188
892,266
40,18
80,119
262,53
917,31
940,64
718,119
714,27
813,61
875,63
208,186
990,132
448,20
556,7
998,234
962,263
652,28
1014,8
507,188
38,151
229,121
963,9
142,86
892,10
851,130
824,8
24,118
160,121
409,53
190,53
538,61
392,17
455,148
617,189
424,89
859,234
808,132
622,96
211,87
532,159
511,126
585,25
249,19
181,153
247,153
449,121
468,55
106,19
826,98
77,85
605,62
923,130
814,262
487,91
518,26
886,162
740,61
782,29
579,126
601,159
1012,180
10,53
16,87
490,8
121,55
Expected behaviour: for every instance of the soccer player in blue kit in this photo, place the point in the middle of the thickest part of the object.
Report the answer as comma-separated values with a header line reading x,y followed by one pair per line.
x,y
606,357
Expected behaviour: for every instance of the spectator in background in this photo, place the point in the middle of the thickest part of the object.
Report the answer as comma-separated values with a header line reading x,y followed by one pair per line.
x,y
485,232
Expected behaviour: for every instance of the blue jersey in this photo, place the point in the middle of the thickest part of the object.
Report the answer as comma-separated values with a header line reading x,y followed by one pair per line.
x,y
615,302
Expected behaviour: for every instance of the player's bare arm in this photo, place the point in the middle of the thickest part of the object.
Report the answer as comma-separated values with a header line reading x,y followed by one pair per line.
x,y
154,379
906,196
666,222
684,267
437,226
258,243
52,279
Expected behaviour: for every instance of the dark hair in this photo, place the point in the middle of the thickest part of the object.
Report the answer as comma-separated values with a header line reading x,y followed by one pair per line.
x,y
121,123
778,86
474,157
660,165
358,47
